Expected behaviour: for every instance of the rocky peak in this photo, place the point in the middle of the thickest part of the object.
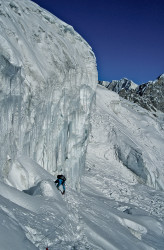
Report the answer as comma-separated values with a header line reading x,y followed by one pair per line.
x,y
148,95
118,85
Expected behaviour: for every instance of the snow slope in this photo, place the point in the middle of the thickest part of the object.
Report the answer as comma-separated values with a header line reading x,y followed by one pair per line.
x,y
131,135
48,78
115,209
120,211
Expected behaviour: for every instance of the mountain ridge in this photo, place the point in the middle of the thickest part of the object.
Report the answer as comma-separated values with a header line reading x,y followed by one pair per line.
x,y
148,95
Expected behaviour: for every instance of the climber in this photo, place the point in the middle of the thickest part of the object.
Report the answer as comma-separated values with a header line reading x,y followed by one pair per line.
x,y
60,181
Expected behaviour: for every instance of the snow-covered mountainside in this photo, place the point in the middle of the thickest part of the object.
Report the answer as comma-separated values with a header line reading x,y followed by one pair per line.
x,y
116,209
117,86
125,153
148,95
134,137
48,78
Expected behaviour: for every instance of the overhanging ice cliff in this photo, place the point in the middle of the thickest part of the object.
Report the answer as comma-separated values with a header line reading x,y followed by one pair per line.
x,y
48,78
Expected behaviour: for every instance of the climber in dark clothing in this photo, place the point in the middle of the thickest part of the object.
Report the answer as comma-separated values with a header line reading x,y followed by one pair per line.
x,y
60,181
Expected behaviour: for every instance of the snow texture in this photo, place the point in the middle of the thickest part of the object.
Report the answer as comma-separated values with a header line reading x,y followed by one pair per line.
x,y
137,138
48,78
115,209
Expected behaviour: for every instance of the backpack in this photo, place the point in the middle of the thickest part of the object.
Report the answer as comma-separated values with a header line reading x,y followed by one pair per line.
x,y
62,177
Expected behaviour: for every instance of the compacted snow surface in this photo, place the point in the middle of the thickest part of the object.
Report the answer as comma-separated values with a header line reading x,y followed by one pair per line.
x,y
115,208
48,80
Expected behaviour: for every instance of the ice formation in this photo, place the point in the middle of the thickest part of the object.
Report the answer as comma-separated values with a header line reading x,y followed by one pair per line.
x,y
126,133
114,208
48,78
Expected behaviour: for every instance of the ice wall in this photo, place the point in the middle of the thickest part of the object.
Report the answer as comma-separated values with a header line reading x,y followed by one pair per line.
x,y
48,78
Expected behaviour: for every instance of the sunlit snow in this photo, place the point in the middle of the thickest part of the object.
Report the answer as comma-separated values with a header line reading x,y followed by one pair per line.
x,y
114,190
48,78
115,208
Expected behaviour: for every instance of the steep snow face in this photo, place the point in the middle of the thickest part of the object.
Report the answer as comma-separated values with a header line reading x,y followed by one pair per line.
x,y
48,78
128,139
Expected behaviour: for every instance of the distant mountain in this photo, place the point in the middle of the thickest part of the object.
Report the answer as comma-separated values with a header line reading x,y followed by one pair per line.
x,y
118,85
148,95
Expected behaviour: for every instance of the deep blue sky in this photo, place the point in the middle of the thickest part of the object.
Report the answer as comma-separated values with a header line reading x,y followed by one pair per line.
x,y
127,36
